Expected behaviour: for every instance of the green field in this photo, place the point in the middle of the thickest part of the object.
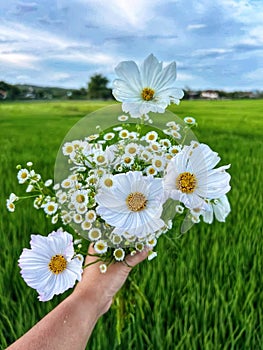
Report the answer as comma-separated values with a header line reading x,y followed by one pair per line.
x,y
206,291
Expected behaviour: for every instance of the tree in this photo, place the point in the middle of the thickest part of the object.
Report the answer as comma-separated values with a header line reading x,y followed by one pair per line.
x,y
97,87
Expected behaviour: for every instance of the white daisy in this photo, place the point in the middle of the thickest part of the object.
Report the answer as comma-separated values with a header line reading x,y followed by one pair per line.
x,y
165,142
50,208
189,120
150,89
151,136
100,247
127,160
119,254
90,216
94,234
123,118
103,268
50,266
77,218
131,149
158,163
151,170
80,197
191,177
124,134
68,148
86,225
109,136
134,205
107,181
22,175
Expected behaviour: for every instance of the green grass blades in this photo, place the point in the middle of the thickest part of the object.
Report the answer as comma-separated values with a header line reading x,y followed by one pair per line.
x,y
204,290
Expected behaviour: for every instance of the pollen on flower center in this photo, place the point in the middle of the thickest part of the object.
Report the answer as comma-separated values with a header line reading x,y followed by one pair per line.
x,y
147,94
186,182
57,264
80,198
136,201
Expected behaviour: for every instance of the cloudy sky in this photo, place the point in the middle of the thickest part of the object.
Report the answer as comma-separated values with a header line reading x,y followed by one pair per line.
x,y
217,44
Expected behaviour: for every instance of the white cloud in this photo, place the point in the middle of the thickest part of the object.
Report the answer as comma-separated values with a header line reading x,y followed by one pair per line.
x,y
196,26
19,60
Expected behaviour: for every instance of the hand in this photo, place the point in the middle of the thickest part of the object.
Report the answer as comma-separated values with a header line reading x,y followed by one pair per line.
x,y
101,287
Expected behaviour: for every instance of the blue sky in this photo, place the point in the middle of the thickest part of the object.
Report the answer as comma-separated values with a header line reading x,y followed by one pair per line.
x,y
217,44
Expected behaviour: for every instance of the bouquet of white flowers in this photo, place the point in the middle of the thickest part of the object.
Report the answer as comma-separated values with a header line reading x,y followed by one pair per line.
x,y
124,184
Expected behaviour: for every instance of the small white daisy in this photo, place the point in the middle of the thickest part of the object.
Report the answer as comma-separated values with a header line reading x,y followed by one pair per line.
x,y
158,163
103,268
100,247
107,181
109,136
124,134
48,182
119,254
50,208
123,118
151,136
23,175
68,148
127,160
150,170
86,225
50,266
190,120
90,216
165,142
131,149
77,218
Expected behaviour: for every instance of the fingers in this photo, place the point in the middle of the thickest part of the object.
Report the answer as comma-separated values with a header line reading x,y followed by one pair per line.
x,y
137,258
130,260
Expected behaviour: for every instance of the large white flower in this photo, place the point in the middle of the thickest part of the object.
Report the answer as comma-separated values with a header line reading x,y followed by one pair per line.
x,y
133,205
50,266
149,89
191,177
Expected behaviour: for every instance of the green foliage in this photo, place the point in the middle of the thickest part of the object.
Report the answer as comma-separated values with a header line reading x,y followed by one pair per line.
x,y
203,289
97,88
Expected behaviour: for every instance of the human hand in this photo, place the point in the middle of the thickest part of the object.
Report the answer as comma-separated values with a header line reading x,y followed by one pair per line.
x,y
101,287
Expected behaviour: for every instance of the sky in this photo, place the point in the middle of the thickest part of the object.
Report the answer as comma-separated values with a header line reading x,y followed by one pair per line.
x,y
216,44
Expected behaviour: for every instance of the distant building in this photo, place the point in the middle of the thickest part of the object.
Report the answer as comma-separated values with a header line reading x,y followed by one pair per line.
x,y
3,94
209,95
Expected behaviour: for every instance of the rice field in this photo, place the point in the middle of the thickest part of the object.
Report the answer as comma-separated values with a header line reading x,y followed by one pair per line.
x,y
203,291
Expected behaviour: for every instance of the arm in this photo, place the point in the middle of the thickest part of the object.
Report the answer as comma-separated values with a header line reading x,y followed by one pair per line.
x,y
70,324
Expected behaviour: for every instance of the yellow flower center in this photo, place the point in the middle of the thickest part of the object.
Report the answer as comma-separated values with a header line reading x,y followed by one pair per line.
x,y
108,182
136,201
80,198
57,264
24,175
50,207
147,94
186,182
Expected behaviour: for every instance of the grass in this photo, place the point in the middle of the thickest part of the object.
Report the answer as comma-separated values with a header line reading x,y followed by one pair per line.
x,y
204,290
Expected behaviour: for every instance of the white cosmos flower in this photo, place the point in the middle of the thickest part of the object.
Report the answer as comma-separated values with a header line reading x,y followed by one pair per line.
x,y
133,205
219,208
149,89
191,177
50,266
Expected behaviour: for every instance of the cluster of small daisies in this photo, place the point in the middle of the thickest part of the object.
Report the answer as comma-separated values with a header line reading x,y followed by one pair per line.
x,y
121,182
